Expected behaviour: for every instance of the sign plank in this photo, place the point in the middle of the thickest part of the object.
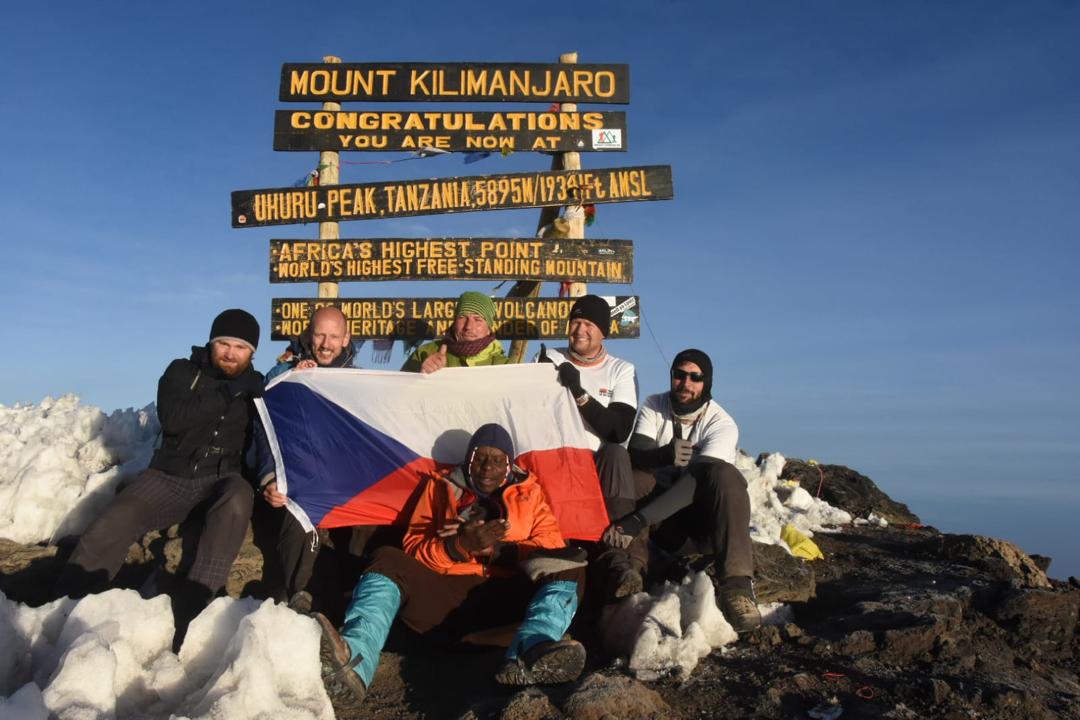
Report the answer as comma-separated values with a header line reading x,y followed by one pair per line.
x,y
449,258
455,82
425,318
404,198
309,130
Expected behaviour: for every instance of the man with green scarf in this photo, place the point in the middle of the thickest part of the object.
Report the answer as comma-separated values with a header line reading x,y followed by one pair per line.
x,y
469,342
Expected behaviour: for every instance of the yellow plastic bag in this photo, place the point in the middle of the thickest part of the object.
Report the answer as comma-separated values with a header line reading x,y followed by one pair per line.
x,y
801,546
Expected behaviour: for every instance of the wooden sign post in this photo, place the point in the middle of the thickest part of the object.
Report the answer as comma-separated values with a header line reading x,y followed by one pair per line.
x,y
445,258
329,174
562,161
559,252
427,318
436,196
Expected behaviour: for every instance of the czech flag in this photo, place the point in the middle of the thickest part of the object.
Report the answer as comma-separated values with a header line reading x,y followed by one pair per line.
x,y
352,446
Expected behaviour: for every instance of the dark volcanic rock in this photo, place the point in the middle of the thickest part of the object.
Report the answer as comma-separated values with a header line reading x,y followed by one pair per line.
x,y
998,558
1044,621
602,696
779,576
896,622
530,704
846,489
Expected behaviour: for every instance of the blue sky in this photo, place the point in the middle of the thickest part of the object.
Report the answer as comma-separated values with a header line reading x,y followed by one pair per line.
x,y
874,230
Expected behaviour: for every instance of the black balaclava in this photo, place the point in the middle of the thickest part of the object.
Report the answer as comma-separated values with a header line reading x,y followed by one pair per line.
x,y
702,361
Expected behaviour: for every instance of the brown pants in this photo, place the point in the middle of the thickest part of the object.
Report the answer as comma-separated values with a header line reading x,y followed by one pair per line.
x,y
717,522
451,606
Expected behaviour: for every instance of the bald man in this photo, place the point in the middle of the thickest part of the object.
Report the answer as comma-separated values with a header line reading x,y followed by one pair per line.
x,y
325,343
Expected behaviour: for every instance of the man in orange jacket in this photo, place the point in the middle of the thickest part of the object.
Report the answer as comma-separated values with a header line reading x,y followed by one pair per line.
x,y
483,549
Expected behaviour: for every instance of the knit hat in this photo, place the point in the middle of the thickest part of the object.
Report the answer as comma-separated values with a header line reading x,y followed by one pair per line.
x,y
491,435
476,303
594,309
702,360
236,324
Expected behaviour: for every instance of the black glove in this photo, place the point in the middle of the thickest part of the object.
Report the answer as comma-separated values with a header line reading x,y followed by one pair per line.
x,y
248,384
570,378
543,356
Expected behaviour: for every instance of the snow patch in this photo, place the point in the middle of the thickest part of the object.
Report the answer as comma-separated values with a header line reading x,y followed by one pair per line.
x,y
61,461
669,631
109,656
775,502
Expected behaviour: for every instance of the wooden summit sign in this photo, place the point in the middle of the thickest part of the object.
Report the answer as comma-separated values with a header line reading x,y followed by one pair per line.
x,y
418,318
605,261
451,131
403,198
455,82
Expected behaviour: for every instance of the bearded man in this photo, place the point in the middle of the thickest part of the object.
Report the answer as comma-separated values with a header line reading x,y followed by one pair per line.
x,y
205,409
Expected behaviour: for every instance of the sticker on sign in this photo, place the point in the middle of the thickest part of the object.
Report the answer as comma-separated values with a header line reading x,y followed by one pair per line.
x,y
624,305
607,139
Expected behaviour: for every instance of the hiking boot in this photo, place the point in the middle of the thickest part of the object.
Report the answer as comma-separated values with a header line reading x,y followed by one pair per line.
x,y
545,663
343,685
740,610
300,602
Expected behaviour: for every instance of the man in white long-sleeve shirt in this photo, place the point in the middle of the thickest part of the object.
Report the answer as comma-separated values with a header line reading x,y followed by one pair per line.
x,y
605,389
693,497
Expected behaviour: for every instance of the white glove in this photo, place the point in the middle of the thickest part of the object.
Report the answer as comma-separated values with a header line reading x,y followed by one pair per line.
x,y
683,449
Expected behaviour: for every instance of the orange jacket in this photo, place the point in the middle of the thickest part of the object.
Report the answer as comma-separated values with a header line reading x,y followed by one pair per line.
x,y
532,524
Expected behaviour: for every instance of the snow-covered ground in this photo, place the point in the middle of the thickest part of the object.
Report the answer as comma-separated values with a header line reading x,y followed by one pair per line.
x,y
60,462
108,656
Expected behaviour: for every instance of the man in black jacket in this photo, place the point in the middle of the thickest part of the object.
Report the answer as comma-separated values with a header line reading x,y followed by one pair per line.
x,y
205,409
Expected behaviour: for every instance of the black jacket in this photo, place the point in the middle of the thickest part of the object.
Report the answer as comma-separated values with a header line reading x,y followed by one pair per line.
x,y
204,429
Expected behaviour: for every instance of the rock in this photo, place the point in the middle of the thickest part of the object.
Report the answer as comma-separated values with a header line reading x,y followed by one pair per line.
x,y
530,704
601,696
848,490
779,576
938,690
859,642
1040,619
1000,558
792,631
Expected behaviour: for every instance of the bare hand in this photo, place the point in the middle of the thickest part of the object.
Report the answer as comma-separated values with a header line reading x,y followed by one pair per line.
x,y
475,537
451,528
683,449
306,365
271,495
434,362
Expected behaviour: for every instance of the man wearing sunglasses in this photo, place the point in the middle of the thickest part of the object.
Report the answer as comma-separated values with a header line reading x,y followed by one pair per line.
x,y
694,499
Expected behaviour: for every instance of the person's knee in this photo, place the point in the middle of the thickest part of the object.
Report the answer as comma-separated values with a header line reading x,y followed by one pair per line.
x,y
612,453
121,521
724,479
387,560
234,502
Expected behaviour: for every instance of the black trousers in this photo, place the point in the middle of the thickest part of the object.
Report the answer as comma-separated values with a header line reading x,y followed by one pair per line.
x,y
717,522
156,500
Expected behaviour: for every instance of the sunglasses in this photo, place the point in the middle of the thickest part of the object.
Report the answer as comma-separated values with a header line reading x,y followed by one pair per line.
x,y
683,375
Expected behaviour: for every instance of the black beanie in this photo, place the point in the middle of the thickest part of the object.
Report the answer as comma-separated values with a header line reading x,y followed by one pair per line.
x,y
491,435
594,309
702,361
236,324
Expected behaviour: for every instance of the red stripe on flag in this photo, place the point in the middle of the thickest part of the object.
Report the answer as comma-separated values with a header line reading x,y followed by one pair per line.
x,y
568,476
390,501
569,479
